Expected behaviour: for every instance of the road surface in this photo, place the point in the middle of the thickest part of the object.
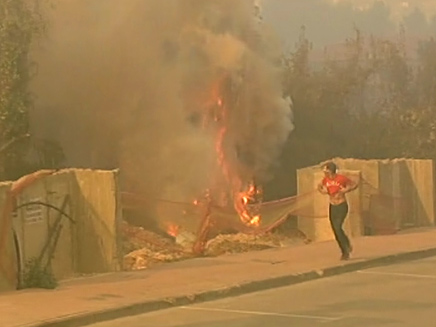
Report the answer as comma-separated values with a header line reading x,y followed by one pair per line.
x,y
401,295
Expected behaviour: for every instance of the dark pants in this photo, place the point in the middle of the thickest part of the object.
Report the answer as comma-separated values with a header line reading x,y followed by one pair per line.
x,y
337,214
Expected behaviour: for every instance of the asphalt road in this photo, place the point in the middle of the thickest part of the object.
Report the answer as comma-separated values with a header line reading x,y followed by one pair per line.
x,y
401,295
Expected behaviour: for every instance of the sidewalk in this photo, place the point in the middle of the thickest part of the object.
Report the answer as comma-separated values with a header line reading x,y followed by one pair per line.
x,y
82,301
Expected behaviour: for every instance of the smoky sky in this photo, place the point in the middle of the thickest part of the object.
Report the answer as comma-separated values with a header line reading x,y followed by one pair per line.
x,y
330,22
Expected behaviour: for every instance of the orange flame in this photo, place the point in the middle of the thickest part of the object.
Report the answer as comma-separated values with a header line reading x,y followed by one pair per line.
x,y
242,206
173,230
217,113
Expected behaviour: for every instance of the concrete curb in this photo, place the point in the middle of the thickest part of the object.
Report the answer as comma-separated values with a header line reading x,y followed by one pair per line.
x,y
230,291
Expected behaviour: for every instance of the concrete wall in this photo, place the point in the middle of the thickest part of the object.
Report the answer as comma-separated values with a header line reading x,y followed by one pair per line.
x,y
420,177
98,211
32,221
91,199
8,263
407,186
58,193
394,194
354,224
315,223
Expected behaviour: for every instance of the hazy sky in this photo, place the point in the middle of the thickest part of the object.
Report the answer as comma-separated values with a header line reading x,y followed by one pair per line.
x,y
331,21
398,7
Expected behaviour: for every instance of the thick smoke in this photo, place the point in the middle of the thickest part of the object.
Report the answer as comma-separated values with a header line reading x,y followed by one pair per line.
x,y
130,83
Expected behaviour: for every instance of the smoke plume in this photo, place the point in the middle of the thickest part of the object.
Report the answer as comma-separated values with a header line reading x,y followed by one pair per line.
x,y
137,84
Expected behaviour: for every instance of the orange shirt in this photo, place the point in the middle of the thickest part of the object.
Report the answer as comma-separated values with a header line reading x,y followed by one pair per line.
x,y
336,183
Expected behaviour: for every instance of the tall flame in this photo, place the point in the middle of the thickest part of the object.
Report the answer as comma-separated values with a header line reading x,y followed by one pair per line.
x,y
243,197
242,205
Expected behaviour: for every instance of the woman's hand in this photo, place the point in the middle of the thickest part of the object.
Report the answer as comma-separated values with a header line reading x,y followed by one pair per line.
x,y
322,189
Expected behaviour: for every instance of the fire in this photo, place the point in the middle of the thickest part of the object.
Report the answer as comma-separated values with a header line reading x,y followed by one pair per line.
x,y
255,221
173,230
245,210
217,113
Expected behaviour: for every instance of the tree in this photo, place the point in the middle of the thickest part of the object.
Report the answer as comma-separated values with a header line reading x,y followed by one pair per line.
x,y
367,103
20,25
418,121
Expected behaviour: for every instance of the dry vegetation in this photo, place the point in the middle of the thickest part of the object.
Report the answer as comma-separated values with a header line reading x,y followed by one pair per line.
x,y
144,248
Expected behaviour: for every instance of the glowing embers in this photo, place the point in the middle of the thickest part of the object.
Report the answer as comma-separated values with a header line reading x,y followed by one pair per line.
x,y
173,230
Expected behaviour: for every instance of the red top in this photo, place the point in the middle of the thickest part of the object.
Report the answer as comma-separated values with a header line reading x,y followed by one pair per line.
x,y
334,184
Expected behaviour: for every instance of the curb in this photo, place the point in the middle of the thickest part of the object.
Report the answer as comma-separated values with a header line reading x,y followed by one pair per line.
x,y
230,291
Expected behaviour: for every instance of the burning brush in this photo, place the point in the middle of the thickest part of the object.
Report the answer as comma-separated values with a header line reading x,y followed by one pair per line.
x,y
217,116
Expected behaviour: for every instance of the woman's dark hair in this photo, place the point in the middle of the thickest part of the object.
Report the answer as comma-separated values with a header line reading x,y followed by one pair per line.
x,y
331,166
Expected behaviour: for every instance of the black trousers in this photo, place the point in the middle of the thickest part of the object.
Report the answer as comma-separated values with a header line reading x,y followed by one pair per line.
x,y
337,215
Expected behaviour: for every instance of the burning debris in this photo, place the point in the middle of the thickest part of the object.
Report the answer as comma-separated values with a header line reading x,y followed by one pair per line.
x,y
135,238
193,105
192,111
144,248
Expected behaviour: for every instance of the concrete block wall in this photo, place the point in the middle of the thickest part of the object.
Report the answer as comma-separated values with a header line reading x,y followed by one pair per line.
x,y
393,194
89,245
354,224
391,176
419,181
315,223
58,189
8,263
33,222
98,211
407,186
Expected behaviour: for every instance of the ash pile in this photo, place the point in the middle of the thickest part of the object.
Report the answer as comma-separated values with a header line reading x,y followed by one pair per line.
x,y
144,247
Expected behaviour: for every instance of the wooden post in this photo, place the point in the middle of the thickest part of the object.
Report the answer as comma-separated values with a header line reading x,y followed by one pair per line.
x,y
203,232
